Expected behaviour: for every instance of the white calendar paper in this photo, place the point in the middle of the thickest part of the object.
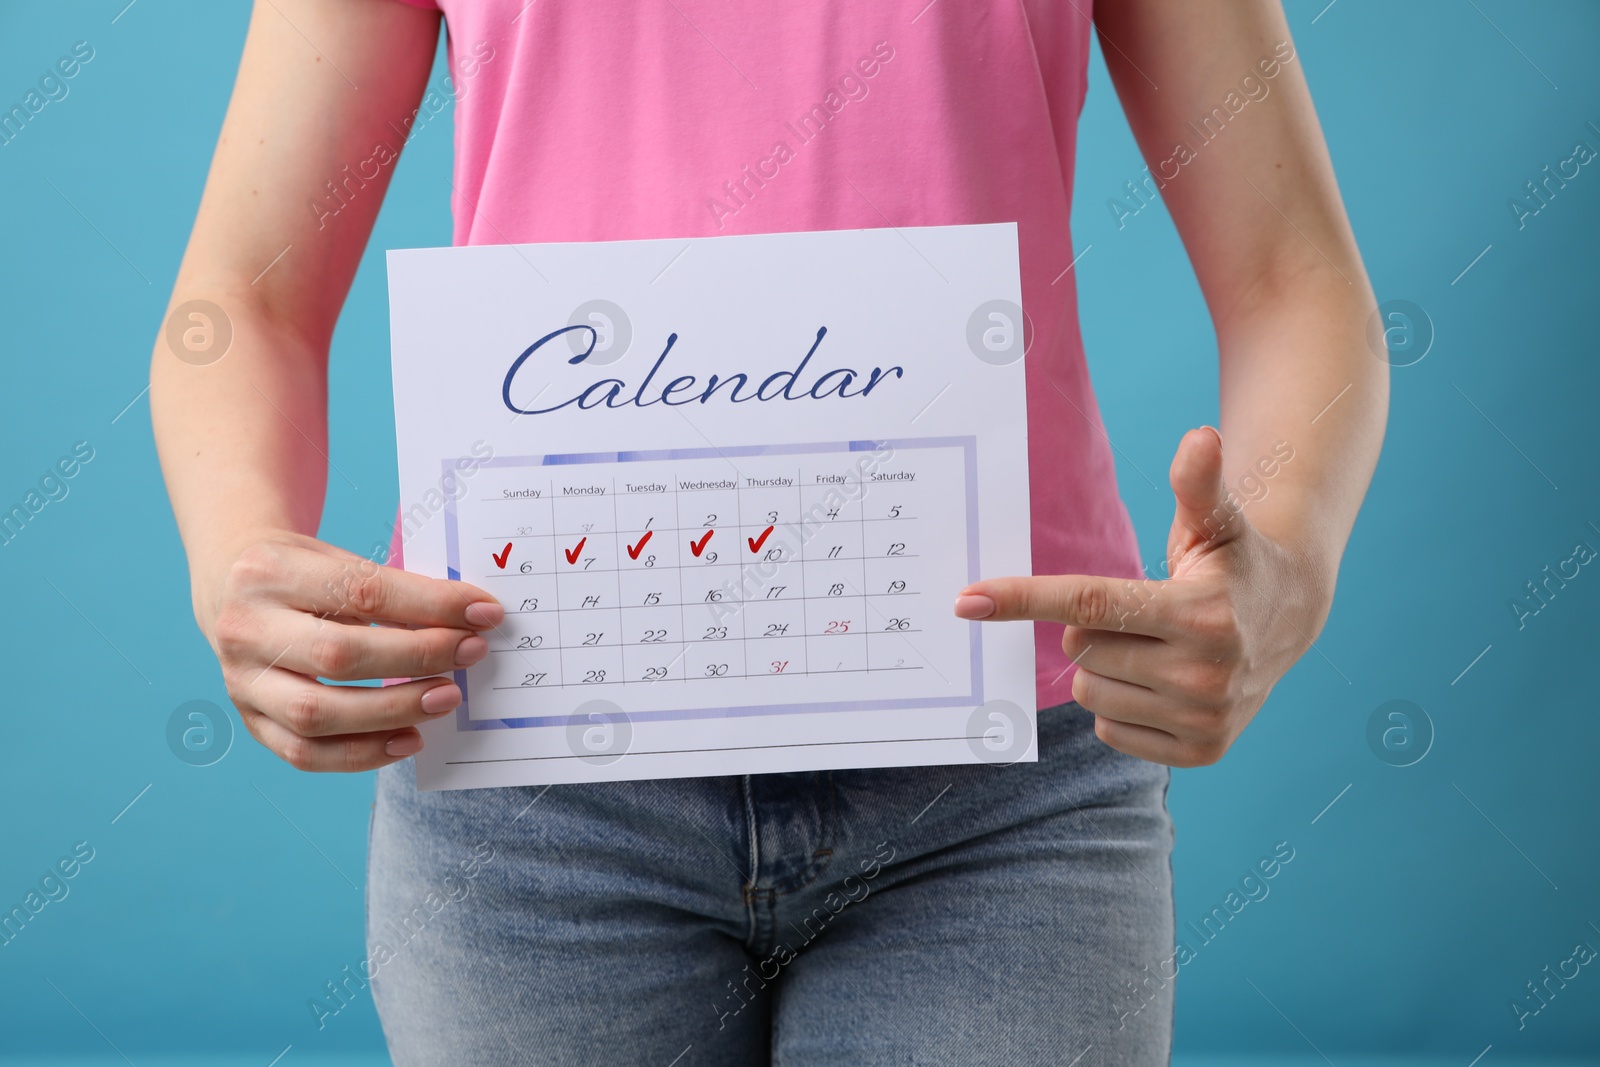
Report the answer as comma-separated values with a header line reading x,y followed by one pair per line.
x,y
726,489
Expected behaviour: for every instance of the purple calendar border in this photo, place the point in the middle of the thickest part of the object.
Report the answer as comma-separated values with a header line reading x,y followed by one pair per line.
x,y
968,445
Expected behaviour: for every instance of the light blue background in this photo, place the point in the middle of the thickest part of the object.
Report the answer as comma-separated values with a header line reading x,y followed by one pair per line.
x,y
222,900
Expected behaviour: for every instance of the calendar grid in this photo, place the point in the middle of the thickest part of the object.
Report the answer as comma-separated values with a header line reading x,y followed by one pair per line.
x,y
861,531
677,523
616,524
623,644
555,590
805,607
737,592
608,570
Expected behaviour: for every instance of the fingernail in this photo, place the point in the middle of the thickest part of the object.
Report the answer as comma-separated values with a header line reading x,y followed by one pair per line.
x,y
471,650
441,698
404,745
974,606
483,614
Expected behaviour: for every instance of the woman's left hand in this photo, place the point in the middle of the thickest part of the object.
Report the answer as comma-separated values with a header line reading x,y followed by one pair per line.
x,y
1175,669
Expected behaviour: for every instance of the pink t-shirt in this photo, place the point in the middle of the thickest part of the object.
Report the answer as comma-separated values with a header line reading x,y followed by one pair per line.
x,y
610,120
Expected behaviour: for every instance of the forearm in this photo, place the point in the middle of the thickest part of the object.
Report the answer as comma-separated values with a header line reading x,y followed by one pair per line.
x,y
1303,402
1255,200
242,435
242,441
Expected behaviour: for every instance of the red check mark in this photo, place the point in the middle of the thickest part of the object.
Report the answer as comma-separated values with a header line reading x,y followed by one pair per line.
x,y
756,542
633,550
699,546
501,557
572,553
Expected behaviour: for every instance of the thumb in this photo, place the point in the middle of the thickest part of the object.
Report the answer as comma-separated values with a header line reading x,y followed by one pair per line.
x,y
1207,513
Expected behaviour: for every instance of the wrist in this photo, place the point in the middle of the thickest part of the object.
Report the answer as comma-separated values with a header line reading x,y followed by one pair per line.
x,y
1311,568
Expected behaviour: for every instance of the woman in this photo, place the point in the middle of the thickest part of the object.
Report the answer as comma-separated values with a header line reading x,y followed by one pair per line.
x,y
925,915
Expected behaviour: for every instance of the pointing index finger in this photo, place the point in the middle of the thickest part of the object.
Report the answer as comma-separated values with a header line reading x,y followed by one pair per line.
x,y
388,594
1090,601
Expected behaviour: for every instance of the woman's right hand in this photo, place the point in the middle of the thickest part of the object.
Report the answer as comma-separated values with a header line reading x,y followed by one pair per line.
x,y
290,609
241,422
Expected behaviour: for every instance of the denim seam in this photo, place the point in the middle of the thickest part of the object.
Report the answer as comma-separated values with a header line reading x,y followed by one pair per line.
x,y
1173,899
754,879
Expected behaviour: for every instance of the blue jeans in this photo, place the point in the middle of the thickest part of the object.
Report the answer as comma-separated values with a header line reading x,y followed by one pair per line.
x,y
920,915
